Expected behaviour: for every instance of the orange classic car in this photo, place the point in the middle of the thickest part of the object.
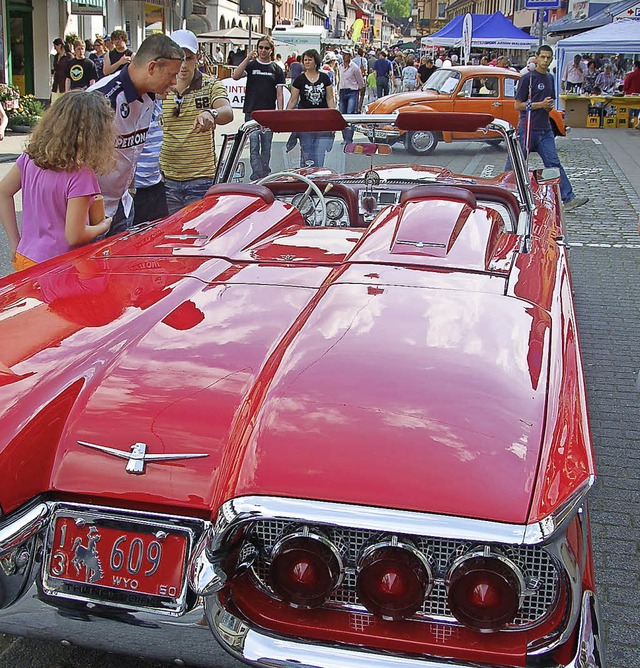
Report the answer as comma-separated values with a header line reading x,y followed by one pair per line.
x,y
489,90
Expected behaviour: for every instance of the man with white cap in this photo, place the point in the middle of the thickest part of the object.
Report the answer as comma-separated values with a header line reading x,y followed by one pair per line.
x,y
190,114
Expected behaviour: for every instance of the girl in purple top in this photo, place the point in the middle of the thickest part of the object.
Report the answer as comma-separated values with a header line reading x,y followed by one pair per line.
x,y
57,176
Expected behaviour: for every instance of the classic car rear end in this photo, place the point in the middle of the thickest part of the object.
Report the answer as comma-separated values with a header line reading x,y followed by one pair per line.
x,y
341,432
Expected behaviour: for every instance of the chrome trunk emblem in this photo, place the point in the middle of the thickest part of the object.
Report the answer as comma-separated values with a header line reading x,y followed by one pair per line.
x,y
138,456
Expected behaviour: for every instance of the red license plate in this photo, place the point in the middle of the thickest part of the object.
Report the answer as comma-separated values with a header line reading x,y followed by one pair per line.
x,y
131,561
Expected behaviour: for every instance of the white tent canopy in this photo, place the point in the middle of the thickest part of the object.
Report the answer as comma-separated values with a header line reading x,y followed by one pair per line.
x,y
618,37
233,36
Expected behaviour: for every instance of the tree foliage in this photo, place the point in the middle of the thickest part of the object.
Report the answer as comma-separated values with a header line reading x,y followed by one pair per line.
x,y
398,9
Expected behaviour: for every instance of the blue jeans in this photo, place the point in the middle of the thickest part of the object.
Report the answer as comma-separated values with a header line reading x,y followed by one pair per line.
x,y
544,144
315,146
120,222
348,104
181,193
382,86
259,151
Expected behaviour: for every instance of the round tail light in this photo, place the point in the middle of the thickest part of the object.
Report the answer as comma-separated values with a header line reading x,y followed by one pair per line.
x,y
393,579
484,590
305,569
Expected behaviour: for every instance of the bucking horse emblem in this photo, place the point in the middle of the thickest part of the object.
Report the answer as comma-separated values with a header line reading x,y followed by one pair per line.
x,y
88,557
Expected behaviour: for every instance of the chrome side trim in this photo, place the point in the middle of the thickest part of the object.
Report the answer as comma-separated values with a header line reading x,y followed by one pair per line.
x,y
18,529
260,648
548,527
246,509
573,566
590,651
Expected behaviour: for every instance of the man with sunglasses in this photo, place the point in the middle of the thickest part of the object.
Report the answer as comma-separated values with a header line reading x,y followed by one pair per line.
x,y
264,90
131,92
190,114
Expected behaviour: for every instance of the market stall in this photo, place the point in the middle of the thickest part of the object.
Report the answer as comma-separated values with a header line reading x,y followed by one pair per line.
x,y
489,31
599,111
618,37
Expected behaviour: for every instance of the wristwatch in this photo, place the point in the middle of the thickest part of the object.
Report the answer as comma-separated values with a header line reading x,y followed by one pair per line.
x,y
214,113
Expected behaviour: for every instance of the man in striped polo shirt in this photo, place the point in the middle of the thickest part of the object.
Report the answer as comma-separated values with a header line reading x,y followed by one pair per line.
x,y
131,92
191,112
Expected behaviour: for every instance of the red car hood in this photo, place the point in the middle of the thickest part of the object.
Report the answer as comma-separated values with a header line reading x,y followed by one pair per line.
x,y
396,388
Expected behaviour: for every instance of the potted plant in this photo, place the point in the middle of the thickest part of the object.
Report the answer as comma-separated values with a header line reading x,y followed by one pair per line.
x,y
9,96
26,115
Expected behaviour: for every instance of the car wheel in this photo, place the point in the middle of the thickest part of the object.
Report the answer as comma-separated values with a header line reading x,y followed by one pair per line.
x,y
420,143
493,142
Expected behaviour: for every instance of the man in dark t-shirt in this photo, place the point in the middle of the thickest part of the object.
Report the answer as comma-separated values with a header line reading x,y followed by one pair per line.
x,y
534,100
426,69
81,72
384,72
264,90
120,55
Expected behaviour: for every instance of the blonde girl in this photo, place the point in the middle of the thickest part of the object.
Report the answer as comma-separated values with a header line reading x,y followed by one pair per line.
x,y
57,175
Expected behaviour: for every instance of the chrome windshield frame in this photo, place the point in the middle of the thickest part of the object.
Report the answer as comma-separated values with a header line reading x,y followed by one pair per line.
x,y
233,144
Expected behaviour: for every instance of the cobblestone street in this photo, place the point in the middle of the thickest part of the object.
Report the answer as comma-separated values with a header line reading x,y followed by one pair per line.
x,y
604,256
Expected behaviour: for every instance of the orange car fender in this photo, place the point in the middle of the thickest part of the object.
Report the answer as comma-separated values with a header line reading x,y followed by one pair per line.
x,y
557,119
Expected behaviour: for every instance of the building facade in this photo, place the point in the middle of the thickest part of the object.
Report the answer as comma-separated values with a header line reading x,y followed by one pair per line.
x,y
28,27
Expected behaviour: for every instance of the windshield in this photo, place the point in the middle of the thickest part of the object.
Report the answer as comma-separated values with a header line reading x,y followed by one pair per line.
x,y
443,81
357,170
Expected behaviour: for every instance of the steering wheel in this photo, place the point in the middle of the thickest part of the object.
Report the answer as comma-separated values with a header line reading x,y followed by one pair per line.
x,y
312,189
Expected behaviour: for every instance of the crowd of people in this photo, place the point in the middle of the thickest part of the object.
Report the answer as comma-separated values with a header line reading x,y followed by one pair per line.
x,y
595,76
383,72
587,74
133,124
158,109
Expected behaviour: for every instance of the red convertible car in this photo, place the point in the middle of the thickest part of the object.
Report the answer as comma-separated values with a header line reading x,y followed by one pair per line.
x,y
333,418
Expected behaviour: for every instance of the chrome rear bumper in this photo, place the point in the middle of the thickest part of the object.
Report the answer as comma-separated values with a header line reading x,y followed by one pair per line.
x,y
258,648
185,639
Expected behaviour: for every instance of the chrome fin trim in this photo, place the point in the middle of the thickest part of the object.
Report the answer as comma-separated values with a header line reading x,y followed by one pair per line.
x,y
246,509
19,528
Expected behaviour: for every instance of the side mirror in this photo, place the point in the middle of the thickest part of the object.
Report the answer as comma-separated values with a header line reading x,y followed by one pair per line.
x,y
547,176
